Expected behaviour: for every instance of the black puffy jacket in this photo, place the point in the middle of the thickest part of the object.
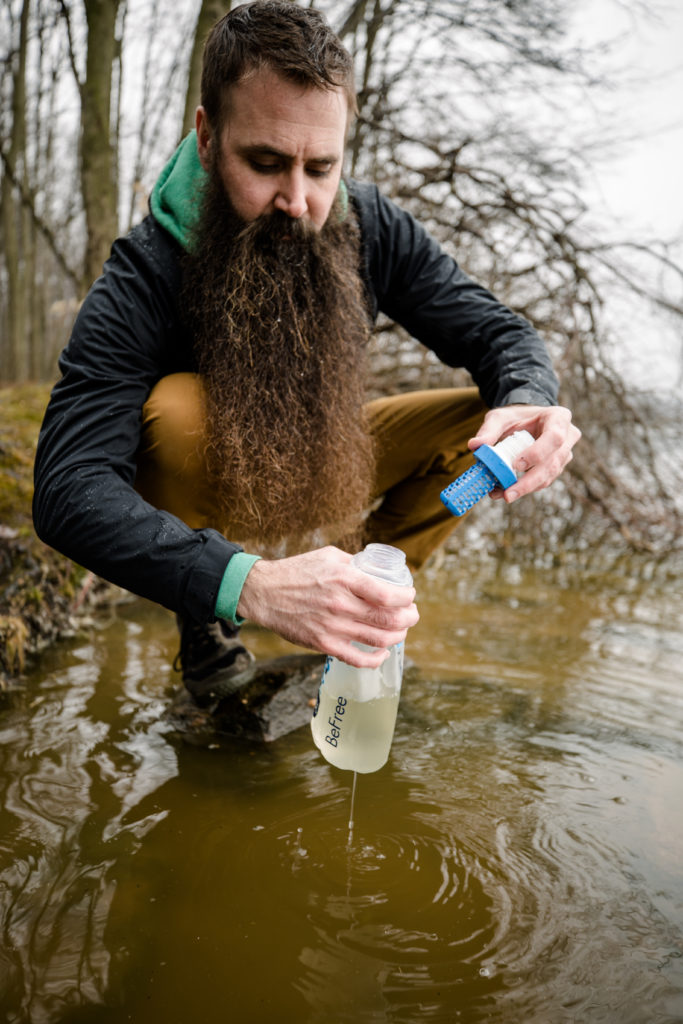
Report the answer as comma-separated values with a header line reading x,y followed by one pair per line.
x,y
128,335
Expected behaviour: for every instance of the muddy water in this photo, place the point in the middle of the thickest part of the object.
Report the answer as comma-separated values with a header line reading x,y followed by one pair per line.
x,y
520,858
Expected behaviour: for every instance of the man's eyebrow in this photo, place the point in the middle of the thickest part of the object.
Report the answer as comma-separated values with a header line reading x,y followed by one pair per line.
x,y
260,149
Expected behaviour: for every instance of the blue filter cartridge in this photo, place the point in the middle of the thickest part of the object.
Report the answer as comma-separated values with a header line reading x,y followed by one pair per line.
x,y
493,468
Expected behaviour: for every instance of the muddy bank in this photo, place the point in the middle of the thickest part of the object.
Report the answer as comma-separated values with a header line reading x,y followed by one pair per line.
x,y
43,596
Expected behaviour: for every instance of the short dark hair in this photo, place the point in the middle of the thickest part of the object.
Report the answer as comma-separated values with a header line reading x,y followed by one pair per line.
x,y
293,41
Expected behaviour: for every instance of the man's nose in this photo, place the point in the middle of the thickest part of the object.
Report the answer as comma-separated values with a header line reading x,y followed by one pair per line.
x,y
291,195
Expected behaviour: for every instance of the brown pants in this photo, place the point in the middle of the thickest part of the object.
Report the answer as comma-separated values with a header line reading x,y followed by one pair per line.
x,y
421,440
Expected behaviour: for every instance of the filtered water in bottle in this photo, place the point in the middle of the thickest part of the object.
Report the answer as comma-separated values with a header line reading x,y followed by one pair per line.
x,y
353,723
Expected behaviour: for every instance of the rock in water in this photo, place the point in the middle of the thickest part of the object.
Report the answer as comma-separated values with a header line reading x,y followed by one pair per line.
x,y
268,700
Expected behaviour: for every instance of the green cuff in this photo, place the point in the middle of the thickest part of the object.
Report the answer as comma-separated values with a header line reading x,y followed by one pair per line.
x,y
237,570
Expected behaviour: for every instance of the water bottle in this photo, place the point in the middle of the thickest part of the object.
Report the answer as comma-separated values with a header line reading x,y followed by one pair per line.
x,y
354,718
492,469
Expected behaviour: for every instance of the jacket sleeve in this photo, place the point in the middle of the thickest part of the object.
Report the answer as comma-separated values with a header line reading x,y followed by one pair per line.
x,y
417,284
85,504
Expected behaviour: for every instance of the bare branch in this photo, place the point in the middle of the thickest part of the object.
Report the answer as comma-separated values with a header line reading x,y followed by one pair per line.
x,y
28,201
66,15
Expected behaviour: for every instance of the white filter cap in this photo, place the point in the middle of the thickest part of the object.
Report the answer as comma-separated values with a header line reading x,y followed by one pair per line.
x,y
510,447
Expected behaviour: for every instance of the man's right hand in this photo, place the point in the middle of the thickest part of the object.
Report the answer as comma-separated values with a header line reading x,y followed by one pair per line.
x,y
320,601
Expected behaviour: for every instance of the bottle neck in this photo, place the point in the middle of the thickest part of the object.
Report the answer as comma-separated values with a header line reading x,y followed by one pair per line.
x,y
385,562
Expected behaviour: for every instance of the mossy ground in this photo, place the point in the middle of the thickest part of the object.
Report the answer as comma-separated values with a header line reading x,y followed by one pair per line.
x,y
39,589
21,413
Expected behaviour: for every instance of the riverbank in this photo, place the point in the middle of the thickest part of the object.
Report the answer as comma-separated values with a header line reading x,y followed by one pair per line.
x,y
44,597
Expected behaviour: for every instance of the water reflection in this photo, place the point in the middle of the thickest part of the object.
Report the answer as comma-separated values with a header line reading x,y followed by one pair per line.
x,y
66,792
518,859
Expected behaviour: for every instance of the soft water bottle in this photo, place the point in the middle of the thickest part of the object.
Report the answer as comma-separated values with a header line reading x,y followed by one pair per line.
x,y
354,718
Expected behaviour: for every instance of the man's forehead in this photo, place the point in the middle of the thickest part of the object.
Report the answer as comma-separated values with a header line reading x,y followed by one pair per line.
x,y
265,100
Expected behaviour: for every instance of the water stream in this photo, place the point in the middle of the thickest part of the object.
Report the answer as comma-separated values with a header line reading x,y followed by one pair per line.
x,y
353,805
520,857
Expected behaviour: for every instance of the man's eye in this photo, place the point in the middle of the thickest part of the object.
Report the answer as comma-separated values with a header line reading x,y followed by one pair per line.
x,y
262,167
320,172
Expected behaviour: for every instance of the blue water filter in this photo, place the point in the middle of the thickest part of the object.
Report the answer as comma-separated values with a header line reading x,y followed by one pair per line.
x,y
493,468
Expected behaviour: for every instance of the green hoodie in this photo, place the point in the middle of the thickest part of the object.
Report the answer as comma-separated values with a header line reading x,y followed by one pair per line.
x,y
176,197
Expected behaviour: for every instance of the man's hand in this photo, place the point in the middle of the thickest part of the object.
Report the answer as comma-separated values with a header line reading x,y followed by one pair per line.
x,y
319,600
545,459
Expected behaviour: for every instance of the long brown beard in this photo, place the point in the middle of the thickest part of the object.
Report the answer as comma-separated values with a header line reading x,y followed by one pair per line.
x,y
280,330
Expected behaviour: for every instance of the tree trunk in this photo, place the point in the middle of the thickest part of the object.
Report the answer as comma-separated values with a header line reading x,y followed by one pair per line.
x,y
14,349
211,11
98,143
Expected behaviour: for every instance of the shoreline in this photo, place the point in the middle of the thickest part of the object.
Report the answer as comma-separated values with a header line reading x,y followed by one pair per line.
x,y
44,596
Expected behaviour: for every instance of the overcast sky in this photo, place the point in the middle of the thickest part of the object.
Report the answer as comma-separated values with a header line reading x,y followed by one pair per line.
x,y
641,186
645,183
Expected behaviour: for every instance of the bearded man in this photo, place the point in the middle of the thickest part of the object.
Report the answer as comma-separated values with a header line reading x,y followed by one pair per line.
x,y
213,386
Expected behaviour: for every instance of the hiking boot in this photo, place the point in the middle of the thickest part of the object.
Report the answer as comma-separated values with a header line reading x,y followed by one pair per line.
x,y
210,655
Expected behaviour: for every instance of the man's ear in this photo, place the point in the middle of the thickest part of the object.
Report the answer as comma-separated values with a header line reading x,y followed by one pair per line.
x,y
204,137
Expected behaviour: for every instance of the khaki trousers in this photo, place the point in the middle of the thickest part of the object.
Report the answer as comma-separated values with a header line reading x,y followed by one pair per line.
x,y
421,443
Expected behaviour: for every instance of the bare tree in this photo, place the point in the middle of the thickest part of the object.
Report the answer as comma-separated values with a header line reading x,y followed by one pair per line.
x,y
209,13
163,76
14,354
99,144
39,204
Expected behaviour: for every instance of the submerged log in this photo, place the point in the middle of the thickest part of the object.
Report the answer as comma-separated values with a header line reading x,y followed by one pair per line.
x,y
268,700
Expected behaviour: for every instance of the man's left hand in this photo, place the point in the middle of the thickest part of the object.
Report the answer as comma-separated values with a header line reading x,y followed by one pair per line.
x,y
555,436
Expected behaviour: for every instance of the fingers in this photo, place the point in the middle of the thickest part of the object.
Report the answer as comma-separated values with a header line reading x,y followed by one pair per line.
x,y
543,461
377,627
380,609
367,610
361,630
376,592
539,469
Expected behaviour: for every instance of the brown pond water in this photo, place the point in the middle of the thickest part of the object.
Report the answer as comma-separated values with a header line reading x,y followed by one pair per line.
x,y
520,858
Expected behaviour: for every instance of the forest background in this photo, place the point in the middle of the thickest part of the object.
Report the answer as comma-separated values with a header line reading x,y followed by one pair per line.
x,y
487,119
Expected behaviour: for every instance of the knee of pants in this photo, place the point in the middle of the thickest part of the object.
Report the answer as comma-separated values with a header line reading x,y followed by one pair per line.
x,y
173,422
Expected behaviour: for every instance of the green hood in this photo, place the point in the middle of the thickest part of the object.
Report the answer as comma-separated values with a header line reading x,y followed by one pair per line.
x,y
176,197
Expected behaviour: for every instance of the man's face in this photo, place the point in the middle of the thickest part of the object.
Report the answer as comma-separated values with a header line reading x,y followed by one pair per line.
x,y
281,147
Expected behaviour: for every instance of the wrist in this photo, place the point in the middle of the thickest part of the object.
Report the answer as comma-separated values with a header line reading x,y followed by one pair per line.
x,y
250,597
232,584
